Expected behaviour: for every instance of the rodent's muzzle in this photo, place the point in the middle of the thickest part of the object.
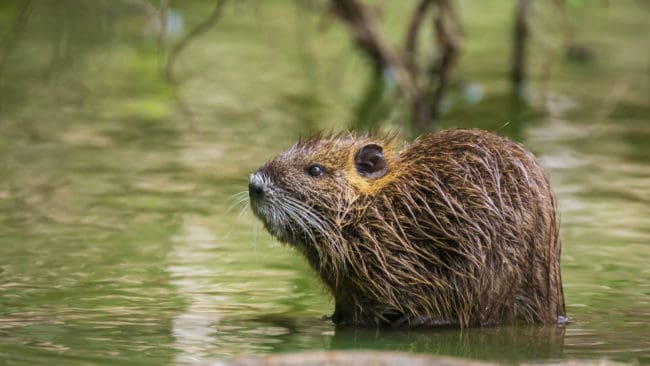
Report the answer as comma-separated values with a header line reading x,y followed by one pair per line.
x,y
255,190
264,204
257,187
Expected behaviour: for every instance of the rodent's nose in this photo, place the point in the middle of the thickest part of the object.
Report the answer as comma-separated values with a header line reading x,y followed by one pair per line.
x,y
255,190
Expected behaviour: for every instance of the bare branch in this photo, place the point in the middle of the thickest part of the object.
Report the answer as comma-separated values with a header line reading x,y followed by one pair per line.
x,y
162,31
195,32
12,34
448,39
10,39
521,35
363,24
410,44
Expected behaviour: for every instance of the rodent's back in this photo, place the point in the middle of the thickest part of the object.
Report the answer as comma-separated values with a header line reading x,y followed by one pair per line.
x,y
481,206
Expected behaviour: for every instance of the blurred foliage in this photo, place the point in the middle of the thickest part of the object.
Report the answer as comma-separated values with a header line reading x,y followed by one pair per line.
x,y
48,49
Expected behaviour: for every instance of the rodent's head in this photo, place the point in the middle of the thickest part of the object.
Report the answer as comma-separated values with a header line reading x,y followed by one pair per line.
x,y
308,193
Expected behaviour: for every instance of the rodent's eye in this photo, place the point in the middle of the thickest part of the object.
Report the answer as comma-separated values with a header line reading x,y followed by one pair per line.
x,y
315,170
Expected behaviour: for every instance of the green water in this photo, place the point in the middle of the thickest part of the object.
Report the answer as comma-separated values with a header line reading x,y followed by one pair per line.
x,y
120,242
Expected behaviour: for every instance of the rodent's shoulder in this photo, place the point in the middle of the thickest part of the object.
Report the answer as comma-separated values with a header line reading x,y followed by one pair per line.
x,y
455,137
456,142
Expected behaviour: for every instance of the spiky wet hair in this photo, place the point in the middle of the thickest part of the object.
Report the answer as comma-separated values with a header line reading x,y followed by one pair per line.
x,y
457,228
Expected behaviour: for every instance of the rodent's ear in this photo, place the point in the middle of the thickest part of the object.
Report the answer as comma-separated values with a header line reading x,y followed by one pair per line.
x,y
370,161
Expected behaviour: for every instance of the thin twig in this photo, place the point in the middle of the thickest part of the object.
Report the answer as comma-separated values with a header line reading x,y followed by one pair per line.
x,y
410,44
448,39
363,24
195,32
10,39
162,32
521,35
11,36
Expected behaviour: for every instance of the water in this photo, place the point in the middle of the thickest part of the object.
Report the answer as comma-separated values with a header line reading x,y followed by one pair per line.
x,y
119,238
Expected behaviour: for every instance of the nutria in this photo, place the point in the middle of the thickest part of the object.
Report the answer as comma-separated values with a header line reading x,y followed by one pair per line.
x,y
458,228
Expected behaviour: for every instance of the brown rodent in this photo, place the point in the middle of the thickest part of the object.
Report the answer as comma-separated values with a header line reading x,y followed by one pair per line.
x,y
458,228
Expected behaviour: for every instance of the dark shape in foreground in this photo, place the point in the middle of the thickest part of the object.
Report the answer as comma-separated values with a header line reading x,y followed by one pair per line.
x,y
458,228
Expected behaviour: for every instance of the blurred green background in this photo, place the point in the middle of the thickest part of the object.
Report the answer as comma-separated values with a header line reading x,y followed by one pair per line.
x,y
120,242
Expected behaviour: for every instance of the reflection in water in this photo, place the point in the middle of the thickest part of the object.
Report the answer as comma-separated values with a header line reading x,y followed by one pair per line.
x,y
225,293
289,334
514,343
194,328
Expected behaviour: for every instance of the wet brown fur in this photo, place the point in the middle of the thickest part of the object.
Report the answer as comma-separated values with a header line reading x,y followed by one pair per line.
x,y
461,230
